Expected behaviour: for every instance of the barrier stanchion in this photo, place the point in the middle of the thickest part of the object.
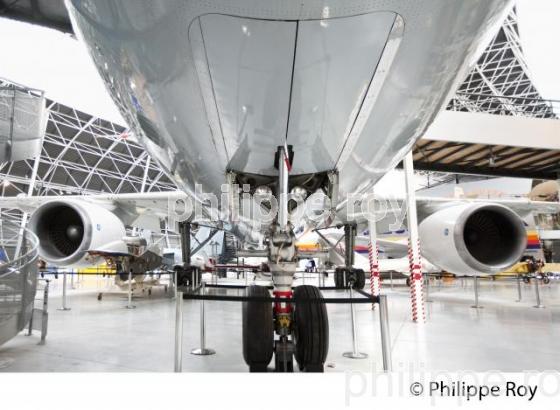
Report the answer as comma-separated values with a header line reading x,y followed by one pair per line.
x,y
354,354
203,350
475,284
518,280
385,334
428,289
64,307
129,304
179,332
175,284
539,305
45,314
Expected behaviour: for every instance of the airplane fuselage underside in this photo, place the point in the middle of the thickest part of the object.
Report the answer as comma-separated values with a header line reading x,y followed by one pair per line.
x,y
218,85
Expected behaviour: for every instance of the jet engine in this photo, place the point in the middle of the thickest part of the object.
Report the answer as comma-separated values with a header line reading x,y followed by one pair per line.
x,y
473,239
68,229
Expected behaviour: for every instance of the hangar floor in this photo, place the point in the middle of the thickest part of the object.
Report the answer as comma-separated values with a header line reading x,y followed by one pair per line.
x,y
104,336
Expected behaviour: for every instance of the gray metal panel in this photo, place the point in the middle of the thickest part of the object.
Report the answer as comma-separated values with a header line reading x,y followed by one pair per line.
x,y
336,62
18,278
22,123
250,80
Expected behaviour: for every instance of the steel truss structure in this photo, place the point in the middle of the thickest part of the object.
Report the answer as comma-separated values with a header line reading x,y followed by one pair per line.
x,y
82,155
500,81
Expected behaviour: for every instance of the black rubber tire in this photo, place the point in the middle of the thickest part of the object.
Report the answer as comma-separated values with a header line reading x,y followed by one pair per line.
x,y
360,281
311,330
546,280
526,279
258,330
408,281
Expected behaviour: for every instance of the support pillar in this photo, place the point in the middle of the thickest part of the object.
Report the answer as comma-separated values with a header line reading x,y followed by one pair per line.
x,y
416,280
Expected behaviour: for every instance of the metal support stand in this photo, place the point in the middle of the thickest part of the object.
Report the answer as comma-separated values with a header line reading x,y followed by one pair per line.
x,y
45,314
385,335
518,280
179,332
354,354
72,280
175,284
428,289
129,304
475,285
64,307
539,305
202,351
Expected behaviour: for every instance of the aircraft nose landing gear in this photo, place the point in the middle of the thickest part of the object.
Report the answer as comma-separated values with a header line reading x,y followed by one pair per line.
x,y
302,328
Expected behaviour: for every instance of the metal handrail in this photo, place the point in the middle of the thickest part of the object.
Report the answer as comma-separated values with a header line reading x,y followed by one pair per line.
x,y
30,243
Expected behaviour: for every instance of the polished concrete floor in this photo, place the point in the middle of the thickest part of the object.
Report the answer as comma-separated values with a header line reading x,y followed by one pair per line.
x,y
105,336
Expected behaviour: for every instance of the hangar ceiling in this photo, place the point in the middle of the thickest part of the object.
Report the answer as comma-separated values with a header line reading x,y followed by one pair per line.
x,y
84,154
498,84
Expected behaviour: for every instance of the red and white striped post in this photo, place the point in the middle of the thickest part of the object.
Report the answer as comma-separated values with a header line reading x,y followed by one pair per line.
x,y
373,252
416,282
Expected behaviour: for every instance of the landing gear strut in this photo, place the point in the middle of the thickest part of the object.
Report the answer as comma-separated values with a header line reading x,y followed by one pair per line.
x,y
187,275
301,329
345,275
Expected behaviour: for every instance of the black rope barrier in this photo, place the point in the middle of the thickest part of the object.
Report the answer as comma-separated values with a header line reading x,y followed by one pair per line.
x,y
194,295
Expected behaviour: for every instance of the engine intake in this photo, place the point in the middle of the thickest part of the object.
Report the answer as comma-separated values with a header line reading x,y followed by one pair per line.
x,y
67,229
470,239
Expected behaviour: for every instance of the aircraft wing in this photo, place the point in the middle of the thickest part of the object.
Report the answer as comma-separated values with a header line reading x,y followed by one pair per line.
x,y
391,211
392,249
144,209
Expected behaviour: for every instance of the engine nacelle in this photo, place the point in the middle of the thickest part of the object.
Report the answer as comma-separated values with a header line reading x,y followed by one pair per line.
x,y
473,239
67,229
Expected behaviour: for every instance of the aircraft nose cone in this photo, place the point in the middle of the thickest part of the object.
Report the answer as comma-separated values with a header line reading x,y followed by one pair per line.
x,y
73,232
